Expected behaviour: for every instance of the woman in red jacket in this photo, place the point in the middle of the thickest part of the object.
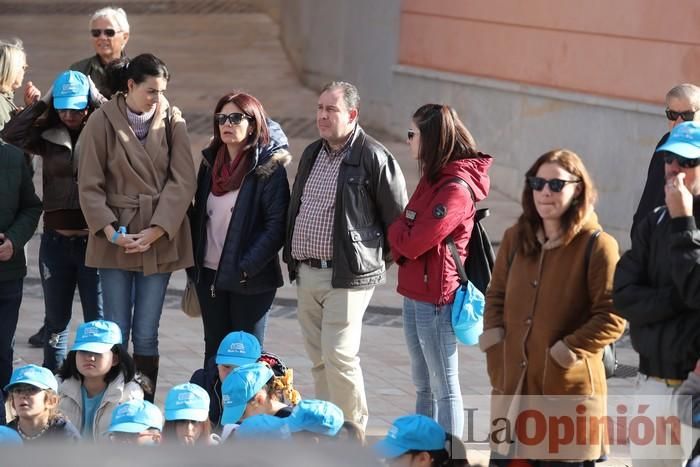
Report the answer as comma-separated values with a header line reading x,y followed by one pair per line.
x,y
428,277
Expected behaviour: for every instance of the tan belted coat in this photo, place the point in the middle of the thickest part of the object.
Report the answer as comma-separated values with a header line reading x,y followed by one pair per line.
x,y
546,322
138,186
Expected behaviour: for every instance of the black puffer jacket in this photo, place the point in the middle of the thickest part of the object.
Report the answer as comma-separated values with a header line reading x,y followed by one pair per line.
x,y
653,194
657,289
256,230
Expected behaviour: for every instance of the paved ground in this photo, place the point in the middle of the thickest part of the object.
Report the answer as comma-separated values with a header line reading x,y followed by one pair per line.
x,y
212,47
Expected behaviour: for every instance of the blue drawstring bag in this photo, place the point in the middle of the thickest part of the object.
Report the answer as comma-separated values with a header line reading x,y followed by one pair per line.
x,y
468,313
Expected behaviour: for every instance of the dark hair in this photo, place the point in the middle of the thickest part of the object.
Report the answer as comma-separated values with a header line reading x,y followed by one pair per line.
x,y
454,455
170,433
572,220
139,69
250,106
51,119
125,367
443,139
351,96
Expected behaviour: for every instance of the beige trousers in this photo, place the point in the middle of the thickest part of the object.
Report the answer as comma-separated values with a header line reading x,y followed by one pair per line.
x,y
331,323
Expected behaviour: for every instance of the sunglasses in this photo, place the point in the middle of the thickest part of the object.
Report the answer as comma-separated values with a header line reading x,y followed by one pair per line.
x,y
684,162
410,134
235,118
686,116
555,184
70,111
109,32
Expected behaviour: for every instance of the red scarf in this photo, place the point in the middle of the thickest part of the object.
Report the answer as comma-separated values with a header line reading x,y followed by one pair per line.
x,y
227,175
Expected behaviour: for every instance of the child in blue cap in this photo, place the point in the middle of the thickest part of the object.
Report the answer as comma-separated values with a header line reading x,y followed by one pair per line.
x,y
33,399
187,416
136,422
419,441
251,390
96,376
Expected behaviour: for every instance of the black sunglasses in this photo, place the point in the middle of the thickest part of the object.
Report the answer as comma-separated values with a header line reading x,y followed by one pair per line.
x,y
235,118
684,162
410,134
107,32
555,184
686,116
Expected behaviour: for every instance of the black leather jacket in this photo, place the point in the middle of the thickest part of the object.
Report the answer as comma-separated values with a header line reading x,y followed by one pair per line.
x,y
370,194
657,289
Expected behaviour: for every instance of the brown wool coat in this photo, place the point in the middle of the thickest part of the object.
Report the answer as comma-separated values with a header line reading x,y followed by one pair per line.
x,y
120,180
547,320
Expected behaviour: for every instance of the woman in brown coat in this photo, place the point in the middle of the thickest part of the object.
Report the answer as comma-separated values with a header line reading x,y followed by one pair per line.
x,y
136,181
549,308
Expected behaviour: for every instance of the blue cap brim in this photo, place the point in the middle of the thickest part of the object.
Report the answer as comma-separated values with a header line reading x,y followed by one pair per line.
x,y
687,150
233,414
31,383
128,427
388,450
197,415
94,347
238,361
73,102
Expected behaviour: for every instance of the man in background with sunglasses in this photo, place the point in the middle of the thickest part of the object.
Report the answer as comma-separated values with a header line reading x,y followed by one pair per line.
x,y
109,30
657,287
347,191
682,105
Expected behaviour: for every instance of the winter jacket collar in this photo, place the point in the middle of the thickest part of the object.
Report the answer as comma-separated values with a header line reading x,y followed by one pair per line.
x,y
114,392
59,136
590,223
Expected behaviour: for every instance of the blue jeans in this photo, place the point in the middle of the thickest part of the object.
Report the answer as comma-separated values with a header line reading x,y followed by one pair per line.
x,y
432,346
10,301
62,267
135,303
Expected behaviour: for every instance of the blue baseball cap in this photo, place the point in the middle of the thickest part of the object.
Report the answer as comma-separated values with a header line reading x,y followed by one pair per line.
x,y
316,416
135,416
411,433
684,140
34,375
70,91
187,402
97,336
9,436
264,426
240,386
238,348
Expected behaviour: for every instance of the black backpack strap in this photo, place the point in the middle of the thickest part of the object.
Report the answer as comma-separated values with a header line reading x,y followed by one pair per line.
x,y
478,216
589,247
168,128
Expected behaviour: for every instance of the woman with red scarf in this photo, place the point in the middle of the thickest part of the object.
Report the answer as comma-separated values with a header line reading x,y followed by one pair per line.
x,y
238,220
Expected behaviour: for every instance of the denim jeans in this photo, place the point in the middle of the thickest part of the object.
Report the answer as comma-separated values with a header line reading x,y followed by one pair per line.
x,y
135,303
10,301
432,346
62,267
228,312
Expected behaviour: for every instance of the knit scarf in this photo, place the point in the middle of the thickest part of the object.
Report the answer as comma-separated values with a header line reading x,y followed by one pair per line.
x,y
227,175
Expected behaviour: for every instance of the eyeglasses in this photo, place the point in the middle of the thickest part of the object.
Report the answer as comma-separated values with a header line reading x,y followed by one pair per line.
x,y
109,32
24,390
235,118
684,162
410,134
686,116
555,184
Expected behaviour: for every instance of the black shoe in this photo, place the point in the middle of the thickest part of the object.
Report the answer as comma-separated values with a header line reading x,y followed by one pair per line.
x,y
37,340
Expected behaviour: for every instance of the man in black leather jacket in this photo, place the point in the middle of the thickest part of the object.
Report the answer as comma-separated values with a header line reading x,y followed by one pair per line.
x,y
657,284
347,191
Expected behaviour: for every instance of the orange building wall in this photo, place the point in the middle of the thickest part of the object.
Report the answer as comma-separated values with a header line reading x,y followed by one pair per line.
x,y
629,49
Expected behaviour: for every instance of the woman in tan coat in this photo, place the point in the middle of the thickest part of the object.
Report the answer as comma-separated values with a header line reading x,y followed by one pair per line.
x,y
136,181
549,308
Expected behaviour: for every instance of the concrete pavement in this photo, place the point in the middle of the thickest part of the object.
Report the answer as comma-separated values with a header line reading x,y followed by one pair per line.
x,y
211,50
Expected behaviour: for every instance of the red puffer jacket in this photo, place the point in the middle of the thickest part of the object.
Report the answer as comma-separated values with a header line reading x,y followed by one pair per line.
x,y
427,271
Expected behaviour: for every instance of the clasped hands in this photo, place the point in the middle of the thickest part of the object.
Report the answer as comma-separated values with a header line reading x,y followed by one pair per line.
x,y
138,242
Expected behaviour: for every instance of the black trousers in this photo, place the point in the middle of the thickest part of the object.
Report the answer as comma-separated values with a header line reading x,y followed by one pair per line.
x,y
228,312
